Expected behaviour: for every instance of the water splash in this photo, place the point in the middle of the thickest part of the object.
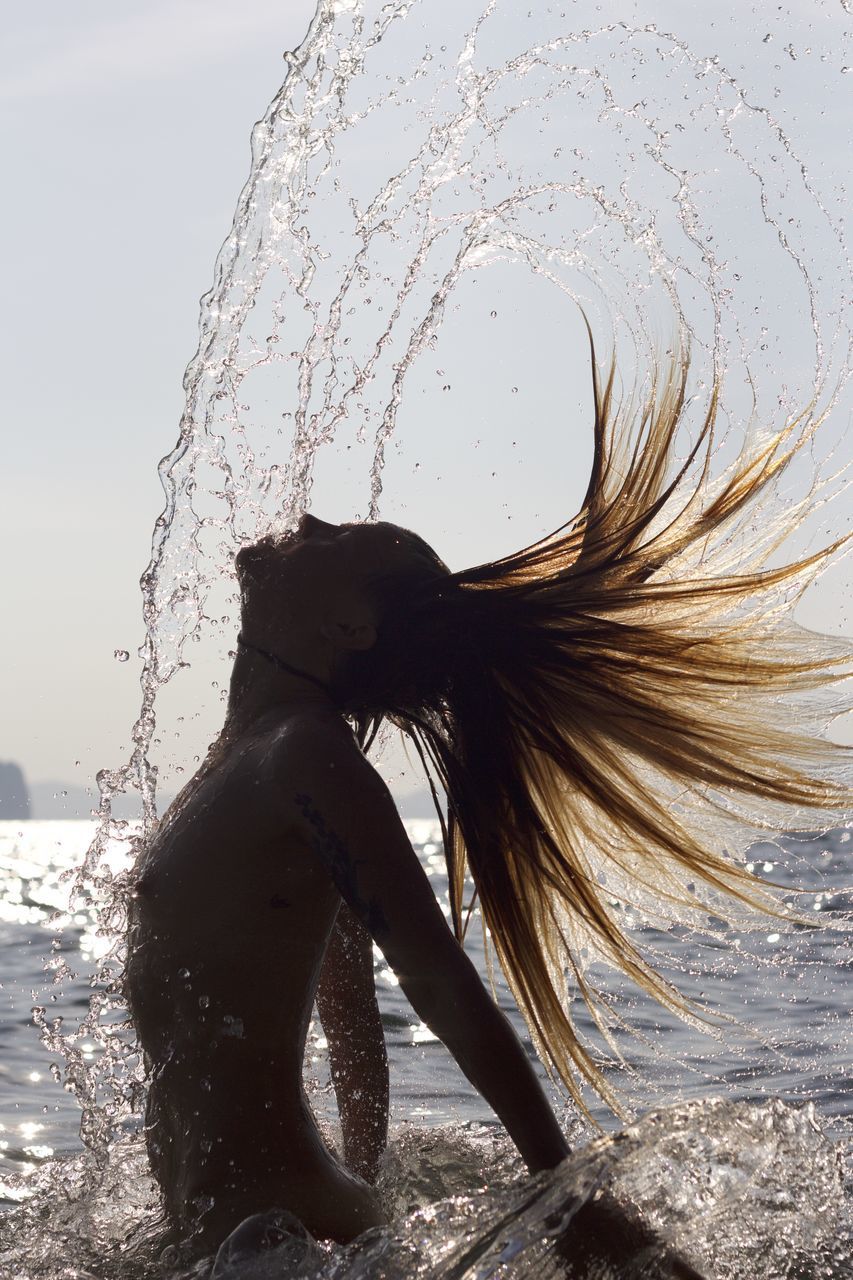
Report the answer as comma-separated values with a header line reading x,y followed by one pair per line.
x,y
396,170
375,197
742,1190
428,185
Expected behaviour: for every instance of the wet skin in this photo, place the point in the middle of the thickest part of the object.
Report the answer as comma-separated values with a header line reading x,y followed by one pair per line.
x,y
231,918
235,903
262,889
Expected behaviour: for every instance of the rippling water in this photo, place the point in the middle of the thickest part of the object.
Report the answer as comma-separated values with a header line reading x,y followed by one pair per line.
x,y
750,1183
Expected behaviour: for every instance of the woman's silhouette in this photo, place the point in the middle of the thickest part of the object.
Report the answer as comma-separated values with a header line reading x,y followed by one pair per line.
x,y
582,706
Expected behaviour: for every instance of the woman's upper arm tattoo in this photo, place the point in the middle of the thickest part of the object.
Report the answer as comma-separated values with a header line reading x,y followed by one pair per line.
x,y
342,867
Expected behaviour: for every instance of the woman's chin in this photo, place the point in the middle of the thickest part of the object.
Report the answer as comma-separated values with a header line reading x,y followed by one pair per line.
x,y
263,555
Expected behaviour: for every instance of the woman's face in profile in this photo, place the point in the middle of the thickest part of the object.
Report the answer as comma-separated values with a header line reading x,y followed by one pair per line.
x,y
318,572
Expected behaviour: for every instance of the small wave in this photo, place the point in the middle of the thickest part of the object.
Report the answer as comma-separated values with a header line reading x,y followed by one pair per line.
x,y
742,1190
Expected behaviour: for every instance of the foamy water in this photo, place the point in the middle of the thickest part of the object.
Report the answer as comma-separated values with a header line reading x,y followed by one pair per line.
x,y
739,1156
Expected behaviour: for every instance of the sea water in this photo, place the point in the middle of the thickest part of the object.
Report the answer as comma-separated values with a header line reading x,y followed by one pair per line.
x,y
738,1153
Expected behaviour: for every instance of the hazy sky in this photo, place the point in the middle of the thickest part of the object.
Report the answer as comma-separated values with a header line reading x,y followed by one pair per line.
x,y
125,143
125,138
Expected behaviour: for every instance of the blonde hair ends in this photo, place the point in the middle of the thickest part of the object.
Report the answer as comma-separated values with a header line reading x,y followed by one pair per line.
x,y
616,709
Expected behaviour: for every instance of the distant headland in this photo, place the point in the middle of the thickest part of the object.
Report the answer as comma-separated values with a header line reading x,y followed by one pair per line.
x,y
14,792
21,800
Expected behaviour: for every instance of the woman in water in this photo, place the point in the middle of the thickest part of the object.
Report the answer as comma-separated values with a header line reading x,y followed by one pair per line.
x,y
583,705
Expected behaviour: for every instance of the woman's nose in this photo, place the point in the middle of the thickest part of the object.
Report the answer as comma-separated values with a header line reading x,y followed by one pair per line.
x,y
309,525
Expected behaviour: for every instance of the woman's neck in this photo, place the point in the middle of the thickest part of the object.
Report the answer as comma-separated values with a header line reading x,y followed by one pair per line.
x,y
263,680
280,664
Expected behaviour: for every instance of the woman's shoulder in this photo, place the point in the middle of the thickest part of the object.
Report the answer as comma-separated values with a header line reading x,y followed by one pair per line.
x,y
314,734
318,751
316,758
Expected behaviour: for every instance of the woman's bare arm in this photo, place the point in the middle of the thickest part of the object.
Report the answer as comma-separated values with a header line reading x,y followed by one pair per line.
x,y
346,1000
348,817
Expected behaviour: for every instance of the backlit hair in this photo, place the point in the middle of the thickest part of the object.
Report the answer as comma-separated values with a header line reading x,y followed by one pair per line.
x,y
613,711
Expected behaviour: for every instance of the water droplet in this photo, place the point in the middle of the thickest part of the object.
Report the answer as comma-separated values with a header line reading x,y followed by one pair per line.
x,y
121,655
493,314
183,973
203,1002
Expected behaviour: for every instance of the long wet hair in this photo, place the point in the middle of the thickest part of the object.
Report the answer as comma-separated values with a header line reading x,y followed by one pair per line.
x,y
610,713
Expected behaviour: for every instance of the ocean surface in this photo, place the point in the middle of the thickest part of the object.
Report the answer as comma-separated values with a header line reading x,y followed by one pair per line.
x,y
738,1150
